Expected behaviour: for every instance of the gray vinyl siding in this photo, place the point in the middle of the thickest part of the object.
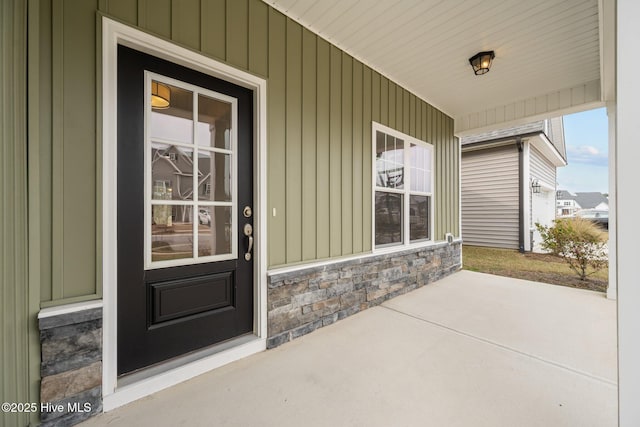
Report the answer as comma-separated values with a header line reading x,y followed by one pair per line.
x,y
541,168
490,197
320,105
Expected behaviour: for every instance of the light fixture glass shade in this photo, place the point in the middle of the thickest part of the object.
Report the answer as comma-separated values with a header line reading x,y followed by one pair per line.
x,y
160,95
481,62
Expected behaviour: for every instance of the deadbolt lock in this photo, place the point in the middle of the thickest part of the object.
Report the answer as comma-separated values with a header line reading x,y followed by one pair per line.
x,y
247,212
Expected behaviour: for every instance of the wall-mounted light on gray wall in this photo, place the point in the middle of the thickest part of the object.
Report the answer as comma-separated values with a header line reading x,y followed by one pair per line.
x,y
535,186
481,62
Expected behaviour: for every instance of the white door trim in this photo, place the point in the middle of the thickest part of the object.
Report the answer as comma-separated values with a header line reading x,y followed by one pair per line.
x,y
113,34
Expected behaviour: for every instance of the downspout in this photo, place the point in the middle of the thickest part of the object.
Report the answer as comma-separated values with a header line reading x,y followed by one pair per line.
x,y
521,184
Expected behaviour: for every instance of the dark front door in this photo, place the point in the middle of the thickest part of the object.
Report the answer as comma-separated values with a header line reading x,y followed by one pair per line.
x,y
185,270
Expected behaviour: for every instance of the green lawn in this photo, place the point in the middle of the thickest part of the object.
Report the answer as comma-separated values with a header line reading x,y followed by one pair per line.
x,y
545,268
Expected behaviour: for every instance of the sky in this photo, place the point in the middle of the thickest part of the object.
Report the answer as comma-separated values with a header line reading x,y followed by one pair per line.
x,y
586,138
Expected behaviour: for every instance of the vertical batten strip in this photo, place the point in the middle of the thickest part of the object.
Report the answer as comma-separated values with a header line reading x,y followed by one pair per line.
x,y
293,138
347,154
185,22
213,28
258,37
323,85
309,132
358,158
335,152
57,190
392,105
237,33
369,103
276,148
14,291
383,108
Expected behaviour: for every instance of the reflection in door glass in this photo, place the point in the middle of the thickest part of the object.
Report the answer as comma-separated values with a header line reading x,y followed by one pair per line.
x,y
174,123
171,172
214,230
214,123
171,232
215,176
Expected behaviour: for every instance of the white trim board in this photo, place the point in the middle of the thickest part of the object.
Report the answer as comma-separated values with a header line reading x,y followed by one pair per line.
x,y
69,308
114,34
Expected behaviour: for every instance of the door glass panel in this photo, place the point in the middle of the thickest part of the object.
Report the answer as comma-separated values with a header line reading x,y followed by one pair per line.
x,y
214,176
214,230
191,164
214,123
171,232
171,172
175,122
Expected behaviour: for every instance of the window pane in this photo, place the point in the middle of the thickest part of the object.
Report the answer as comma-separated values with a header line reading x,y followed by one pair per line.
x,y
389,161
420,168
214,230
388,218
214,123
171,172
214,176
418,217
175,122
171,232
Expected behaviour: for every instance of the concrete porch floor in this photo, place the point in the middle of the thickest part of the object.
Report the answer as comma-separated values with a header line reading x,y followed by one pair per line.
x,y
470,350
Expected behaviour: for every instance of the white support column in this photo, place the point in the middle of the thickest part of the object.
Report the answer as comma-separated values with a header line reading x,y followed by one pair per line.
x,y
526,172
612,290
627,177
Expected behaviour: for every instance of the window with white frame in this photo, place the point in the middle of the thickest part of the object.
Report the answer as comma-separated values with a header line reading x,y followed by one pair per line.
x,y
403,188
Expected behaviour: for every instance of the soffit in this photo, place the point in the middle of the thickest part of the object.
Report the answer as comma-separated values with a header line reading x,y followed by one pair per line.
x,y
424,45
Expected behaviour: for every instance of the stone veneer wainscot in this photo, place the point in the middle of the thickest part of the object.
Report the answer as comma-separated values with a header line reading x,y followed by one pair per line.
x,y
306,299
71,368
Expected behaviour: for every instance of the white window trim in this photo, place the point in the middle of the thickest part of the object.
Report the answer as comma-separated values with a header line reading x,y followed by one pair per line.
x,y
148,179
113,34
406,192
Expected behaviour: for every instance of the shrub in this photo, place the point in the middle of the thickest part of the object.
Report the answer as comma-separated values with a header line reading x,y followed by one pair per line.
x,y
579,242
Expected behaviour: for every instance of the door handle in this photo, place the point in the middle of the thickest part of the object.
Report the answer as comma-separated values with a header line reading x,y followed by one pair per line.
x,y
248,231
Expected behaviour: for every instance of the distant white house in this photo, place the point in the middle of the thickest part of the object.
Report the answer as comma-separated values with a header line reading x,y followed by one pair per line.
x,y
509,184
569,204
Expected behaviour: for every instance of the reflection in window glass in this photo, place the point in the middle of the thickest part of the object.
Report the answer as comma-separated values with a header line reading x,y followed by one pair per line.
x,y
171,172
389,161
171,232
214,123
388,218
174,123
420,169
418,217
214,230
214,176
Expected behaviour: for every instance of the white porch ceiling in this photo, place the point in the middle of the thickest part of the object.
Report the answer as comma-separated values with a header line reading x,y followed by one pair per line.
x,y
547,52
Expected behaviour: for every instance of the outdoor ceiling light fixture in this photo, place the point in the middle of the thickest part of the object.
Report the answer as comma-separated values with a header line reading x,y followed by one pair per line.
x,y
160,95
481,62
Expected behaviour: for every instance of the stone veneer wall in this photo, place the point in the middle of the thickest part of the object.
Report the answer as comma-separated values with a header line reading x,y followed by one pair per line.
x,y
71,367
304,300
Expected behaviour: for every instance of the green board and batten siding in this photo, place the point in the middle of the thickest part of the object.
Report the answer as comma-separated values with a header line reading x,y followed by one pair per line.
x,y
320,103
19,368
